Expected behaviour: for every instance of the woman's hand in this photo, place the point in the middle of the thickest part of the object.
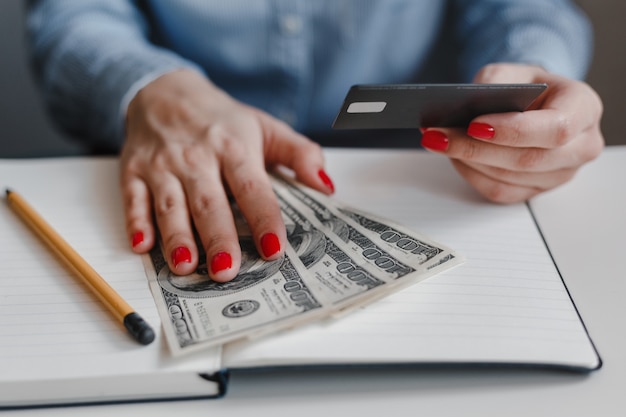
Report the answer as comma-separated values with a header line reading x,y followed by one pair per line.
x,y
188,146
511,157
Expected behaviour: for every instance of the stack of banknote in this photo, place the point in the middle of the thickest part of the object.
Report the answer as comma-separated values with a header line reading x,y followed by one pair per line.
x,y
338,259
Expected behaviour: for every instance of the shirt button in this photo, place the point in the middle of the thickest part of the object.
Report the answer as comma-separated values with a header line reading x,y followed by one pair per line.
x,y
291,24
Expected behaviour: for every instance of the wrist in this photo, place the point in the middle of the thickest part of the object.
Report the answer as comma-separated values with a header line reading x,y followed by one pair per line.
x,y
169,87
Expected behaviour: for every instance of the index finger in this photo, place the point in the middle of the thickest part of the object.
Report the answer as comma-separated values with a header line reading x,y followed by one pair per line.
x,y
567,109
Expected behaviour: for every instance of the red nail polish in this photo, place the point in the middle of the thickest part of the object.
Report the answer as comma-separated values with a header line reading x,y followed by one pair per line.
x,y
326,180
270,244
181,254
481,130
137,238
435,140
221,261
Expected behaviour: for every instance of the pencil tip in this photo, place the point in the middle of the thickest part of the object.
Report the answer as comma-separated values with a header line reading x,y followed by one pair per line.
x,y
8,191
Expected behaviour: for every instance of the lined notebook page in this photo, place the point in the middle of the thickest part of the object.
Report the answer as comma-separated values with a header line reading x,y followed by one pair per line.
x,y
505,304
53,327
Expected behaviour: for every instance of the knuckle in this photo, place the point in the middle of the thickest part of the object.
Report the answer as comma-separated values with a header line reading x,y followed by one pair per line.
x,y
530,158
222,139
193,159
131,164
237,154
502,193
260,219
216,241
201,205
245,182
131,169
470,150
166,205
266,216
126,183
161,160
215,134
230,147
514,131
247,185
563,131
133,203
496,193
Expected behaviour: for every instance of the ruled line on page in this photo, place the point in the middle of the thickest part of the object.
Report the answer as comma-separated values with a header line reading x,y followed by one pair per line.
x,y
506,303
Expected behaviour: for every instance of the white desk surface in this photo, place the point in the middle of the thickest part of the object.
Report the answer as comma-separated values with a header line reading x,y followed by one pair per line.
x,y
584,223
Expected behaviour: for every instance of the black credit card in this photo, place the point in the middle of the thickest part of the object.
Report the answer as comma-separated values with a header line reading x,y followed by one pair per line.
x,y
408,106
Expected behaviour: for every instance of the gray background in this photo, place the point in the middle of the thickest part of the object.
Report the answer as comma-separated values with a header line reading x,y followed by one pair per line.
x,y
25,130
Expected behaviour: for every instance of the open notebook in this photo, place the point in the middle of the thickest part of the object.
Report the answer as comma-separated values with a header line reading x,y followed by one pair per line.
x,y
505,306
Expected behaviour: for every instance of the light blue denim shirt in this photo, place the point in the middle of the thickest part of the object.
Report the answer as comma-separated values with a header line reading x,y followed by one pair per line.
x,y
295,59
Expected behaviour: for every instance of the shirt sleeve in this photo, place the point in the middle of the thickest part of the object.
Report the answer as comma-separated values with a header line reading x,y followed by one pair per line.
x,y
553,34
90,58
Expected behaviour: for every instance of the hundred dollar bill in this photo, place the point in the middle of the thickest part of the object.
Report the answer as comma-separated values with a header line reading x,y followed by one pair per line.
x,y
400,243
314,280
378,260
406,241
337,259
341,273
426,256
434,256
197,312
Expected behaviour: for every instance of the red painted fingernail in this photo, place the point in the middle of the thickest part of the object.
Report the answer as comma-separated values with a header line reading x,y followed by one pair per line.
x,y
481,130
181,254
137,238
435,140
270,244
221,261
326,180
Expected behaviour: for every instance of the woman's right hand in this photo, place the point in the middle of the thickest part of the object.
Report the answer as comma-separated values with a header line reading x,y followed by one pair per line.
x,y
188,145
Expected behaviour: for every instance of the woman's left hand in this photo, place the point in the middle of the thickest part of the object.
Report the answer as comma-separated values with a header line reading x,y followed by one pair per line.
x,y
511,157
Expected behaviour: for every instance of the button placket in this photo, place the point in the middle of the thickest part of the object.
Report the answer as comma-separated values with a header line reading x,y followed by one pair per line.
x,y
292,55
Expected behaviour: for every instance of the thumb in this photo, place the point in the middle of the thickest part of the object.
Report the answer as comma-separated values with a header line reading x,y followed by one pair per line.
x,y
503,73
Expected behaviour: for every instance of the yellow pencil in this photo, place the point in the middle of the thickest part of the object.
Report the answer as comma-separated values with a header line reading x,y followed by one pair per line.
x,y
137,327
